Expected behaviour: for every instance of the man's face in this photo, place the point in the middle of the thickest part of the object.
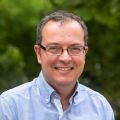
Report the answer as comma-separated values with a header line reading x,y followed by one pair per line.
x,y
63,69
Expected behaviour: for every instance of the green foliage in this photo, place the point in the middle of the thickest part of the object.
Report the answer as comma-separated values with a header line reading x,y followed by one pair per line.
x,y
18,63
11,64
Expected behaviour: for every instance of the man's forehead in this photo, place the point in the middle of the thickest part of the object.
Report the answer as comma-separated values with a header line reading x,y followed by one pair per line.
x,y
62,23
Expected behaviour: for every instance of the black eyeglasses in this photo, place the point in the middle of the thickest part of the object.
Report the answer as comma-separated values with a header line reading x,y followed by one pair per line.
x,y
56,50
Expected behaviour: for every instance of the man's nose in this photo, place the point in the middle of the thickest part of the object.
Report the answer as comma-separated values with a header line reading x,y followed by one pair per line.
x,y
65,56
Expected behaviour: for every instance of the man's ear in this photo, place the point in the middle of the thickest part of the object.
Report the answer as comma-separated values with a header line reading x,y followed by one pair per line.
x,y
37,52
86,49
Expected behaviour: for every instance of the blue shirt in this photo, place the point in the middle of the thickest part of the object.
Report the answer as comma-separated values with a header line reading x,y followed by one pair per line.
x,y
37,100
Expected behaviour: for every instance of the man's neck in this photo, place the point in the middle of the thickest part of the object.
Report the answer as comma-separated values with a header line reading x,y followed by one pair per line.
x,y
65,94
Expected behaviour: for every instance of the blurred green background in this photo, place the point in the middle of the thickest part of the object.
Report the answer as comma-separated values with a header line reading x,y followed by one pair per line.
x,y
18,64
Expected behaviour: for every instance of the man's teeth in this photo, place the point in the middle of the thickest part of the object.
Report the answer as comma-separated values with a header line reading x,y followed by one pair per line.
x,y
64,68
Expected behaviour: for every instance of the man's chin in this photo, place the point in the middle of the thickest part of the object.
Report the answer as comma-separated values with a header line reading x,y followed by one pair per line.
x,y
64,81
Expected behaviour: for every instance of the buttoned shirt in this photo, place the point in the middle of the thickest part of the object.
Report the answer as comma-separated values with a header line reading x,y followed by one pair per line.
x,y
37,100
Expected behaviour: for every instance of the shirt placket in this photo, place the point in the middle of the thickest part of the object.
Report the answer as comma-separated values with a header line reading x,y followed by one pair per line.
x,y
58,105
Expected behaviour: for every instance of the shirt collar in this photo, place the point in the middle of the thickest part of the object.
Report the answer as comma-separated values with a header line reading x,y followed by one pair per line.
x,y
45,89
72,98
79,95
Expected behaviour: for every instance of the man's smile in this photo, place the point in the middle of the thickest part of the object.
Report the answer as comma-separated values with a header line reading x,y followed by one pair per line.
x,y
64,68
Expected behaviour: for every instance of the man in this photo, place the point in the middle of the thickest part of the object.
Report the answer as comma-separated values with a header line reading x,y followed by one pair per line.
x,y
61,47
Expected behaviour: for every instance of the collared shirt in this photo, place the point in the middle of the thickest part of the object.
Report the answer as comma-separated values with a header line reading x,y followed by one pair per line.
x,y
37,100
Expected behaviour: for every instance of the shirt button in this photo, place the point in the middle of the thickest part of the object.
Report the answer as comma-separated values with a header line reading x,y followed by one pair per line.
x,y
47,100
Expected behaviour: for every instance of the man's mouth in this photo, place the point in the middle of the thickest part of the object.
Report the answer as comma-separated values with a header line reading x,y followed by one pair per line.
x,y
64,68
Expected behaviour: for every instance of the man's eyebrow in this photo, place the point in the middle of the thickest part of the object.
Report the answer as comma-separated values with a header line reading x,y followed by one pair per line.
x,y
53,43
76,44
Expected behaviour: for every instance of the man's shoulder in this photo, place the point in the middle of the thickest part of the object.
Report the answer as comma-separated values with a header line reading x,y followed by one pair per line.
x,y
93,100
19,90
92,94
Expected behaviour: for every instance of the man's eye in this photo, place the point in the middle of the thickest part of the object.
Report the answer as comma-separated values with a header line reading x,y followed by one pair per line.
x,y
76,49
53,49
